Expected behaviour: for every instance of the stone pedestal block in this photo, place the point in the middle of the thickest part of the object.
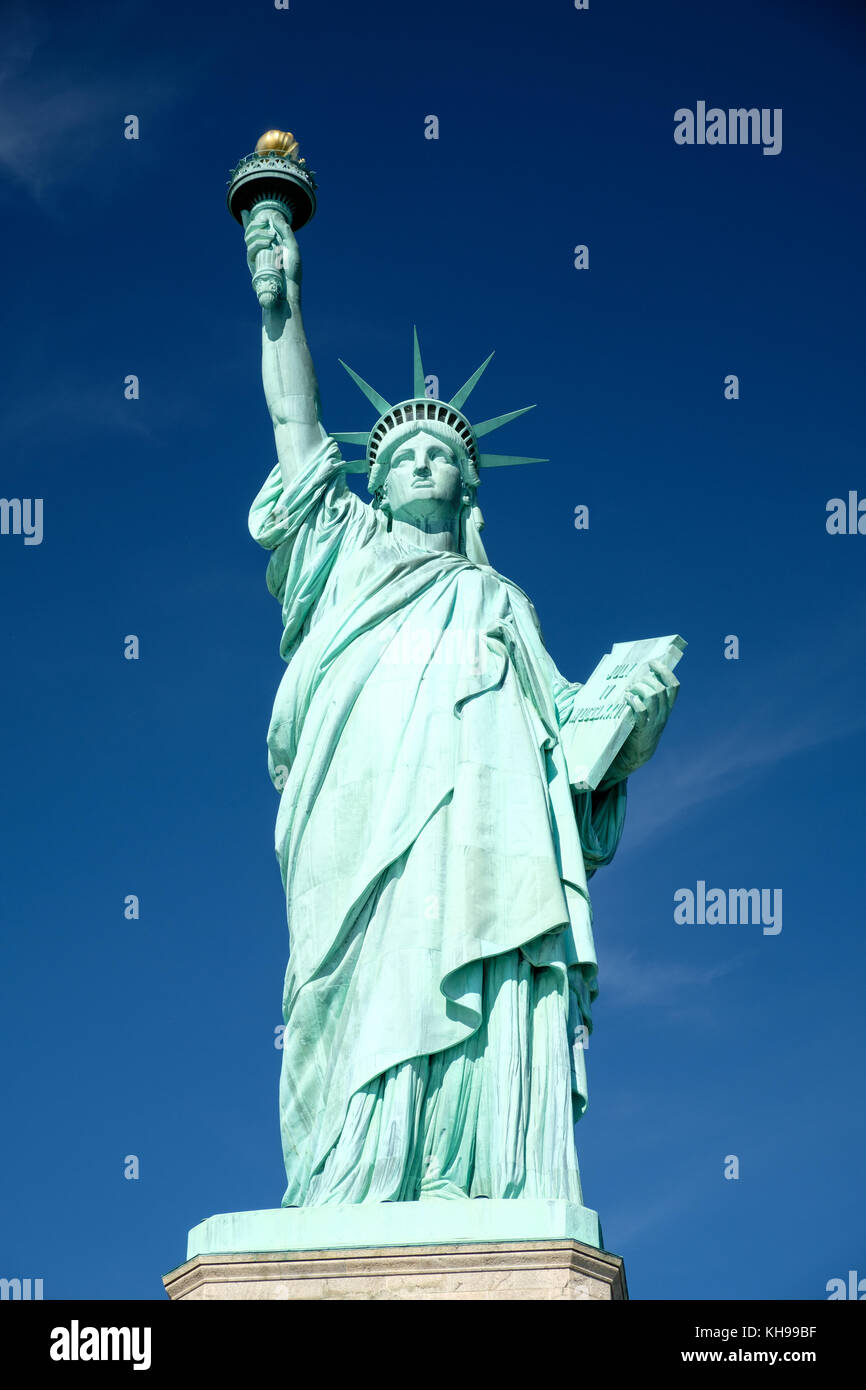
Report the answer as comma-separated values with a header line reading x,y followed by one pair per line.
x,y
544,1269
454,1248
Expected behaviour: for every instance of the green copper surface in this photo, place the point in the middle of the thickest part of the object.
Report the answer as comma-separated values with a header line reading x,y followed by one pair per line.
x,y
392,1223
434,832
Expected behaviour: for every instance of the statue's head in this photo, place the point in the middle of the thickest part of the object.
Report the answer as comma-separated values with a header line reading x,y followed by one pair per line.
x,y
422,461
422,456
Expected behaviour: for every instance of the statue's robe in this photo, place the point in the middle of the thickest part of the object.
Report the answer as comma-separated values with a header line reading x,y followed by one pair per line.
x,y
435,862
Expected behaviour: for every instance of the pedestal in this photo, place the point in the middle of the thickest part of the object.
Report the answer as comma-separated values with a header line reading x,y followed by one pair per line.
x,y
401,1250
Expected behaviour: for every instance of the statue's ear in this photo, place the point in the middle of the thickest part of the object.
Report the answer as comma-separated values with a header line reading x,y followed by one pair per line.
x,y
468,471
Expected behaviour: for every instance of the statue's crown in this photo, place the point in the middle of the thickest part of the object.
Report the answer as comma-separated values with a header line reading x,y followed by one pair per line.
x,y
428,410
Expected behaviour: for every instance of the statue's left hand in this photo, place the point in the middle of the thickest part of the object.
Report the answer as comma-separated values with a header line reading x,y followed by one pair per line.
x,y
652,701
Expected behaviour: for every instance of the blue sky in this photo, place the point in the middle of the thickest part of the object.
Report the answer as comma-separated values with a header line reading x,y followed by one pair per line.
x,y
707,517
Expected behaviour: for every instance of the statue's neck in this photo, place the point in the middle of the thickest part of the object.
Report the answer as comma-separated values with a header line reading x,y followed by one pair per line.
x,y
430,532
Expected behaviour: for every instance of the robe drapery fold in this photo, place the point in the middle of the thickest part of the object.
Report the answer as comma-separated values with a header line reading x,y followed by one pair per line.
x,y
435,862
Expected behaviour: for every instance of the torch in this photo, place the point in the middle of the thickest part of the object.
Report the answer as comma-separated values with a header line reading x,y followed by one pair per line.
x,y
272,179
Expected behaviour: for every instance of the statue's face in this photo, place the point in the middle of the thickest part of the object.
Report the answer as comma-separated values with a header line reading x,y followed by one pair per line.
x,y
424,479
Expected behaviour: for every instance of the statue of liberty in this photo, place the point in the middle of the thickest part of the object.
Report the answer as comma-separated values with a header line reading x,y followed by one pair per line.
x,y
433,842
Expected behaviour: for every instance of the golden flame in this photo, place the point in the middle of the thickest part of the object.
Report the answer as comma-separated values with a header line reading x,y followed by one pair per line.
x,y
281,142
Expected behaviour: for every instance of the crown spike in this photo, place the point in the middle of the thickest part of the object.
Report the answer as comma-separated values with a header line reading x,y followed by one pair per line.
x,y
419,384
505,460
352,437
373,397
487,426
469,386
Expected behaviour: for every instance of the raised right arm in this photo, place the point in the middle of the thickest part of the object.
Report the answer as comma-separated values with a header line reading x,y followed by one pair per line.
x,y
288,375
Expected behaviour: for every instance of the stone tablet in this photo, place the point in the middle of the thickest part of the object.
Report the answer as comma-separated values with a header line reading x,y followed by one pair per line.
x,y
601,720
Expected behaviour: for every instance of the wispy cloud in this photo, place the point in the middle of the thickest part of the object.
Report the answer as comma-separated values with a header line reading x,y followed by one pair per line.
x,y
799,699
76,405
630,980
57,104
634,1218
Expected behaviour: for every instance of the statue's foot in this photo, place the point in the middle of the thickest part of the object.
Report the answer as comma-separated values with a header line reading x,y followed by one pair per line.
x,y
440,1187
